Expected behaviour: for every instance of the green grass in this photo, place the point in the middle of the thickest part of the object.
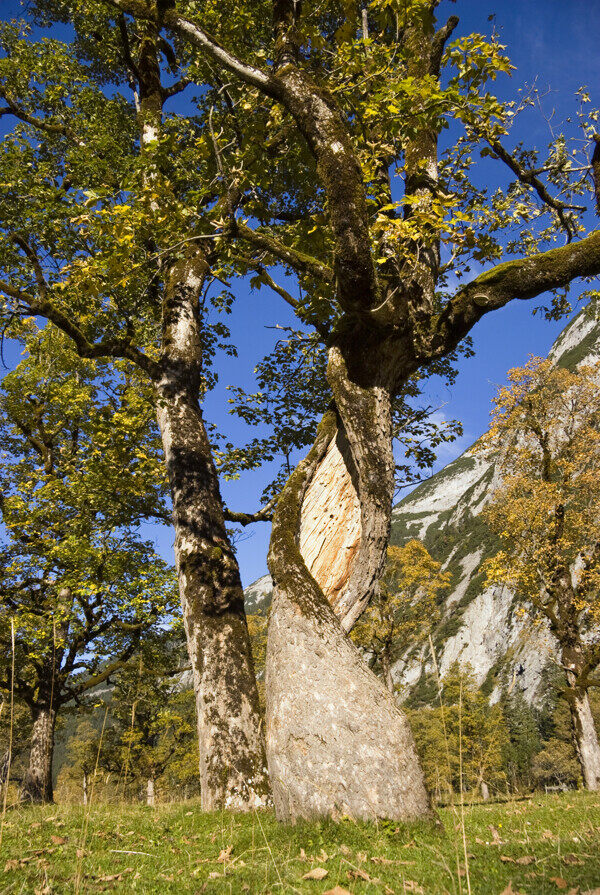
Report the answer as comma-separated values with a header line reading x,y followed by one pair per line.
x,y
177,849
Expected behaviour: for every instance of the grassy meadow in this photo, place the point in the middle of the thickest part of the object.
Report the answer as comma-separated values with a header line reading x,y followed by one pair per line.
x,y
544,844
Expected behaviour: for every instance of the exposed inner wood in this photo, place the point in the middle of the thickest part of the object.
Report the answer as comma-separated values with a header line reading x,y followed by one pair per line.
x,y
330,525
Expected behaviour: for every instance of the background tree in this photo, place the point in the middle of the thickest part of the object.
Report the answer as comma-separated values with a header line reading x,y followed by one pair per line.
x,y
462,739
80,469
82,760
149,726
405,609
547,515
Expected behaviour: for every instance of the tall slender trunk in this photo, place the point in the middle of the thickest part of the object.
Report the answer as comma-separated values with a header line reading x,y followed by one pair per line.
x,y
336,742
232,758
233,769
85,788
37,783
150,794
585,737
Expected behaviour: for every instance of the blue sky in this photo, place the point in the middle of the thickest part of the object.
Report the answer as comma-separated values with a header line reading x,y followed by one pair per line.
x,y
552,42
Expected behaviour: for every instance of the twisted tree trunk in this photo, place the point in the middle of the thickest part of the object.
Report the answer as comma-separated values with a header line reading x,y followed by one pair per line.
x,y
233,769
336,742
37,782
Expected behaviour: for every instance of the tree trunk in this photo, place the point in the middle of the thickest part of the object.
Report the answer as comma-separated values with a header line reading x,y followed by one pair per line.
x,y
37,782
85,788
233,769
386,672
585,738
336,742
485,792
150,799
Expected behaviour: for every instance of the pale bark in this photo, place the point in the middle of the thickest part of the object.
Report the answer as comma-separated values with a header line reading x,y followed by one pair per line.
x,y
37,783
485,792
233,770
336,742
585,737
232,760
85,788
150,795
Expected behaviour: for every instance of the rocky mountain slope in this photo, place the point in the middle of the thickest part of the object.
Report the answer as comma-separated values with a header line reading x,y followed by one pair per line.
x,y
478,625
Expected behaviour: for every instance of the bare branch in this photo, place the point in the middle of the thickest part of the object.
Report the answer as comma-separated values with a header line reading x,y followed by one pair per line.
x,y
529,178
263,515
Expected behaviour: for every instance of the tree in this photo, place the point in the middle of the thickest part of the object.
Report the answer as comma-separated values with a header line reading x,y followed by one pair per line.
x,y
404,610
83,753
523,740
547,515
79,472
149,727
333,103
111,248
462,739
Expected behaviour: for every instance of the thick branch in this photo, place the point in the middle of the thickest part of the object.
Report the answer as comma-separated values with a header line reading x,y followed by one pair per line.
x,y
438,43
522,279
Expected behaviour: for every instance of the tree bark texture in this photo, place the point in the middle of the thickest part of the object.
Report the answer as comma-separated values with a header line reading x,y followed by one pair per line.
x,y
37,782
585,737
233,769
336,742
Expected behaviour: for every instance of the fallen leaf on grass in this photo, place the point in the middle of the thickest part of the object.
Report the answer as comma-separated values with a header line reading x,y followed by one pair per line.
x,y
362,874
548,834
595,891
411,886
379,859
573,860
316,873
495,835
510,891
345,850
58,840
559,881
361,857
114,877
224,854
524,860
337,890
214,875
